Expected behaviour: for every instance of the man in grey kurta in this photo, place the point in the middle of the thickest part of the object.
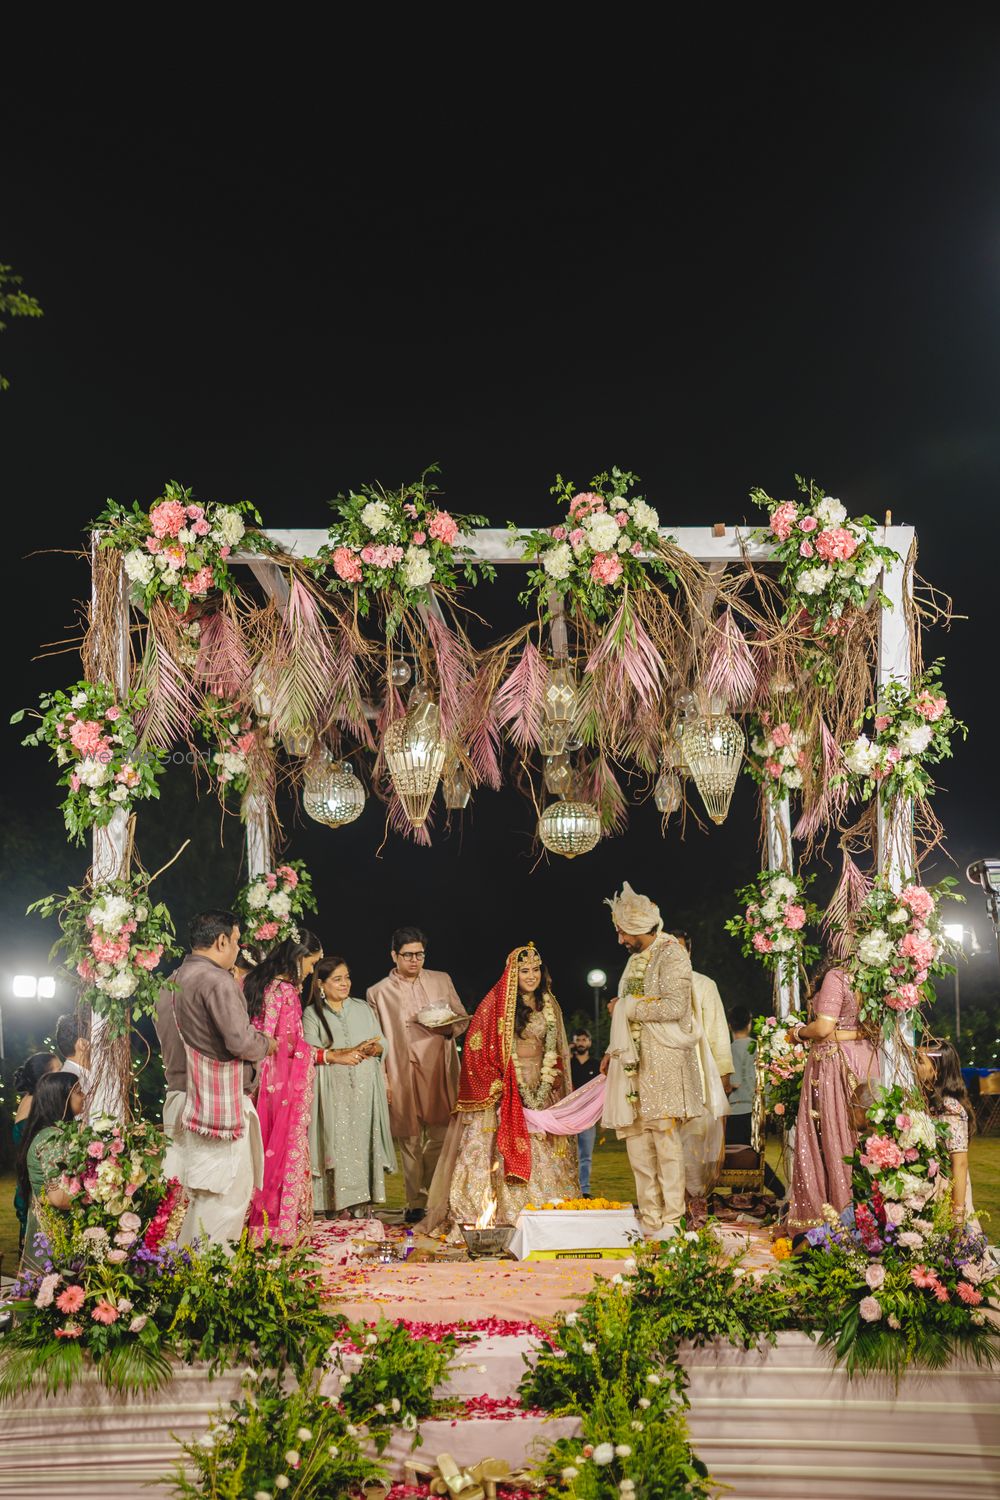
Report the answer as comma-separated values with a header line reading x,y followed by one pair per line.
x,y
422,1066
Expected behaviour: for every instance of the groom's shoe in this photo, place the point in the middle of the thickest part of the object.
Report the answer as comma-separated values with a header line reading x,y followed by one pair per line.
x,y
413,1215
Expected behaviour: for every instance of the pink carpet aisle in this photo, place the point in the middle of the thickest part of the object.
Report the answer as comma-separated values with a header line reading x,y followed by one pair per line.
x,y
779,1422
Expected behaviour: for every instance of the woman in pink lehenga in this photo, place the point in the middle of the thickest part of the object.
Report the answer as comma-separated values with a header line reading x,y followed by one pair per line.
x,y
283,1206
837,1086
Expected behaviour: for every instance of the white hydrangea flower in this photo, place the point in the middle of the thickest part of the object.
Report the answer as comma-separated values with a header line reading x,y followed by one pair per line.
x,y
830,512
418,569
140,568
867,574
558,560
861,756
793,778
814,580
876,948
645,517
375,516
257,897
913,739
784,944
110,912
783,888
229,527
93,772
898,918
279,903
770,910
122,985
602,532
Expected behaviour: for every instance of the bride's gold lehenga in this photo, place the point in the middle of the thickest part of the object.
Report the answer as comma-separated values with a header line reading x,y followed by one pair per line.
x,y
488,1154
478,1175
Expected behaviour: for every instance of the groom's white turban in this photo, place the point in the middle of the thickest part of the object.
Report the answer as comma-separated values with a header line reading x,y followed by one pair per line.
x,y
633,913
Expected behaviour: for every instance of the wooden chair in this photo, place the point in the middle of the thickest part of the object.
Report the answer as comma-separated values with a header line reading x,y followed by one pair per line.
x,y
988,1107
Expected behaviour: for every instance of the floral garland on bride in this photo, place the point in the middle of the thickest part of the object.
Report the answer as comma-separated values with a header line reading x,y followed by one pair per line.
x,y
535,1098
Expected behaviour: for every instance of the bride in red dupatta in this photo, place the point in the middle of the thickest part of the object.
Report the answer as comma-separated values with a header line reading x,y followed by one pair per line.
x,y
515,1054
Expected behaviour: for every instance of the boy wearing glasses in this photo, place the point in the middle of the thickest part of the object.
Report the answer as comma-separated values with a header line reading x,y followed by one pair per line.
x,y
422,1063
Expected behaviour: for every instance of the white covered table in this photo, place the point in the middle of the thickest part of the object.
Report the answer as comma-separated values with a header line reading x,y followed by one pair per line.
x,y
574,1230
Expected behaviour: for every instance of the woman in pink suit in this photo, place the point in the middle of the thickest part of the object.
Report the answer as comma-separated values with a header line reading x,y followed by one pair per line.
x,y
284,1101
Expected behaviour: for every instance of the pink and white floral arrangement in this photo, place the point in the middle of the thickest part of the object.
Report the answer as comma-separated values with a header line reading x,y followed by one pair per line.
x,y
605,542
229,728
114,939
272,905
898,947
773,926
398,544
112,1174
829,564
777,756
780,1062
912,729
91,732
177,550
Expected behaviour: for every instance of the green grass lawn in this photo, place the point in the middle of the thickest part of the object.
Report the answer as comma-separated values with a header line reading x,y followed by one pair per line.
x,y
611,1178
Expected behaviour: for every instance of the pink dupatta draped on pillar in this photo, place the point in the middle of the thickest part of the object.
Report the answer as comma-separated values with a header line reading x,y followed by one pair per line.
x,y
284,1105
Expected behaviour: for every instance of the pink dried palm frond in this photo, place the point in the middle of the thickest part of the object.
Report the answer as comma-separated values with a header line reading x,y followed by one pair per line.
x,y
627,654
347,684
830,798
223,664
171,698
597,783
732,670
479,731
303,671
518,701
852,889
455,670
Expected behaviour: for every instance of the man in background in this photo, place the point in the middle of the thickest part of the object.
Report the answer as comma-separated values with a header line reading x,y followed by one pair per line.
x,y
422,1064
709,1011
584,1066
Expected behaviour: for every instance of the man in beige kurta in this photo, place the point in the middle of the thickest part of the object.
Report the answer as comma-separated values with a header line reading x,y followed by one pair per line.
x,y
422,1064
656,992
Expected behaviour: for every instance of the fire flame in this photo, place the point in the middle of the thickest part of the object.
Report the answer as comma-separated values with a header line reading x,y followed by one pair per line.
x,y
488,1215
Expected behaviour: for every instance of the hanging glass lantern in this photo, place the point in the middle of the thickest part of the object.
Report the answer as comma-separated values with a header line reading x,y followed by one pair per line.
x,y
667,792
298,741
414,752
560,698
456,786
713,746
261,696
331,793
552,736
558,774
400,672
570,828
673,754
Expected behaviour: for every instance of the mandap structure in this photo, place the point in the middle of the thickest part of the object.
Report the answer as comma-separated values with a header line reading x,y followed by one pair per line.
x,y
654,665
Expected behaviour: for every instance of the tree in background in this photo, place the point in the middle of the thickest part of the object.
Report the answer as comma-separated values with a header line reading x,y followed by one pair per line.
x,y
14,304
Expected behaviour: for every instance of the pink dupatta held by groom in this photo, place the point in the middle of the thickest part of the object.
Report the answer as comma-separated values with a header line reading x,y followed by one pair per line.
x,y
284,1205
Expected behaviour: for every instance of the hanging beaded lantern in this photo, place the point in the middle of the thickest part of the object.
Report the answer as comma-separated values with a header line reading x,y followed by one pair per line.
x,y
415,752
570,828
560,698
331,793
456,786
667,792
713,746
558,774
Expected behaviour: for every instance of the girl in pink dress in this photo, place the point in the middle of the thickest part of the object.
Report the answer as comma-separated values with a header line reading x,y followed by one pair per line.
x,y
837,1086
283,1206
939,1074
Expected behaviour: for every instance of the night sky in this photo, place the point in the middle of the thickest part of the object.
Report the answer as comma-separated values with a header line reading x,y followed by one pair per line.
x,y
772,265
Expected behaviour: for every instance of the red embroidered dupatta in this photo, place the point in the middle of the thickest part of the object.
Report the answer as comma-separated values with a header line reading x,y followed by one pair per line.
x,y
488,1075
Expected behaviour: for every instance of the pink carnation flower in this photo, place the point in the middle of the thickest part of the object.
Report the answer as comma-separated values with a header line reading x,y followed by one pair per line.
x,y
443,528
882,722
74,782
808,523
558,533
85,969
919,901
266,931
903,1122
581,505
911,1153
194,512
167,518
200,582
606,568
577,538
225,551
419,538
153,544
346,565
875,1275
271,880
930,708
636,549
806,549
96,1150
870,1309
288,875
921,950
150,958
201,527
774,768
883,1152
105,1312
933,1167
836,545
71,1300
381,555
783,519
113,713
795,917
781,734
621,517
